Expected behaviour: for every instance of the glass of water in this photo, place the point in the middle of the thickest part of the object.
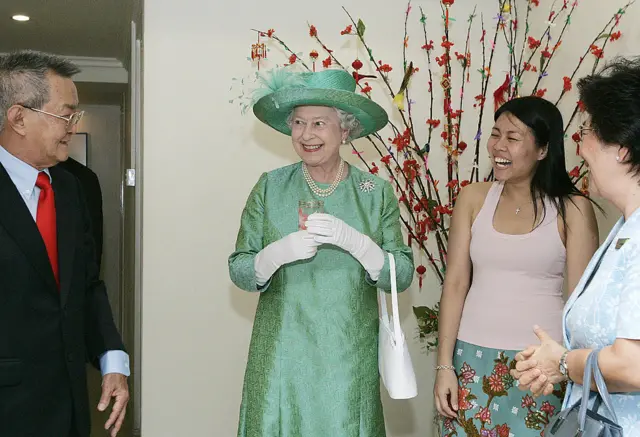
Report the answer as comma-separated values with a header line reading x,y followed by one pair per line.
x,y
305,209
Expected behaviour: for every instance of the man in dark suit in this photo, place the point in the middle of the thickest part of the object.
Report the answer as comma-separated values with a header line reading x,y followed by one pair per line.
x,y
54,311
93,195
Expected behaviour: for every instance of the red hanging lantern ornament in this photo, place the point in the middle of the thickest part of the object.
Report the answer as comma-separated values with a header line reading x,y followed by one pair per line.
x,y
577,138
258,51
314,56
420,270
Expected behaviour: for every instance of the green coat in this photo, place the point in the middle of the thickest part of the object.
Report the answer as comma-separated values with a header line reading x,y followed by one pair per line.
x,y
313,359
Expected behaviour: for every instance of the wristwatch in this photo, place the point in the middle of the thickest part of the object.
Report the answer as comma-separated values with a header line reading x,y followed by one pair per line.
x,y
563,365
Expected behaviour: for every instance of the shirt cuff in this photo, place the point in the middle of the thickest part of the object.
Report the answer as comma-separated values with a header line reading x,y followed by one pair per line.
x,y
115,362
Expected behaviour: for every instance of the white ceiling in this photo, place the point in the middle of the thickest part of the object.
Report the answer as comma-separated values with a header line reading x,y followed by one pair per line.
x,y
97,28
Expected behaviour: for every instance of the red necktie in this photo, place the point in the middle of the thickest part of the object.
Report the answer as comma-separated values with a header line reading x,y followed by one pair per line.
x,y
46,221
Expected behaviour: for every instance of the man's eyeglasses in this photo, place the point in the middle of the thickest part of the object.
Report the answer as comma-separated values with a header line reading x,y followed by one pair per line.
x,y
71,120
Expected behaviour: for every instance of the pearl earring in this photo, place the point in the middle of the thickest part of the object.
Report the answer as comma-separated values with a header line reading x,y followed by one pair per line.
x,y
618,158
344,141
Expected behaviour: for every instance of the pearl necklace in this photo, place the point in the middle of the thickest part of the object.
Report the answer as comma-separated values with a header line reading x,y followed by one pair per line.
x,y
323,192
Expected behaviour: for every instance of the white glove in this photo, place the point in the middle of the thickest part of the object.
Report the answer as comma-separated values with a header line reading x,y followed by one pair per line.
x,y
328,229
296,246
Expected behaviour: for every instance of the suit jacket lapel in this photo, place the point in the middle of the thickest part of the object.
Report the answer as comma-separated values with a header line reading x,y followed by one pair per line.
x,y
65,226
20,225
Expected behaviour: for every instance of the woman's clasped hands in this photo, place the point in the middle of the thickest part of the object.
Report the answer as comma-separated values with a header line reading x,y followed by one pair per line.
x,y
538,367
327,229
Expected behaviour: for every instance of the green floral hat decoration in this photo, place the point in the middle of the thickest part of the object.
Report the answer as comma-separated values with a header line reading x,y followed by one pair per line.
x,y
283,90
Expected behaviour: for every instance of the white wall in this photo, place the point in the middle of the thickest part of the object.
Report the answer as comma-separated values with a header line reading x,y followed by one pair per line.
x,y
201,158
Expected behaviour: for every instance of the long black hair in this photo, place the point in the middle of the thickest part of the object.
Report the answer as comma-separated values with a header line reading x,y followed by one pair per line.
x,y
550,178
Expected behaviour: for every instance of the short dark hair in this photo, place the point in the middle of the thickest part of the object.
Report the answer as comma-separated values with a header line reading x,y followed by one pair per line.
x,y
23,78
612,99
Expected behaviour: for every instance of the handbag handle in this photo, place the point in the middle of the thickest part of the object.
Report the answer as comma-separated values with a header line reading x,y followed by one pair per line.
x,y
394,300
591,367
602,389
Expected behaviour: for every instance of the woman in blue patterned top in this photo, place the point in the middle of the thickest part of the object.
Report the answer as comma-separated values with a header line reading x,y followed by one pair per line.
x,y
603,312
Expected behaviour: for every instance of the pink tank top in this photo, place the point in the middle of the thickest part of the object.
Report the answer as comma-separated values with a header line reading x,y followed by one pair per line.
x,y
517,281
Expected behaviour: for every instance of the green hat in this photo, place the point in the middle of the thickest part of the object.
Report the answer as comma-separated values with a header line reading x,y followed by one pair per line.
x,y
284,90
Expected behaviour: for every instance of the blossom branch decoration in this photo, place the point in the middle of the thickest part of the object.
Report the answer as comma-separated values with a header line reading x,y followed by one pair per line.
x,y
403,154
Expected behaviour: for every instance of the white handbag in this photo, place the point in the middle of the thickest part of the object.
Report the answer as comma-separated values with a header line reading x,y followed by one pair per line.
x,y
394,361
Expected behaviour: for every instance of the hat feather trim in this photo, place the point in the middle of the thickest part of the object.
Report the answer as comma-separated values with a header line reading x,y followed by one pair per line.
x,y
275,80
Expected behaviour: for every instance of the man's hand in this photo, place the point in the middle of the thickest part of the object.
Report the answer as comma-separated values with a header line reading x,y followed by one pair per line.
x,y
114,385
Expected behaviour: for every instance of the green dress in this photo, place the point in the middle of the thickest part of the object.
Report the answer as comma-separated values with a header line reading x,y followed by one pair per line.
x,y
313,359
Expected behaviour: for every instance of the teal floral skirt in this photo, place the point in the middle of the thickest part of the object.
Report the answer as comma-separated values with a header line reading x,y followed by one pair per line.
x,y
489,401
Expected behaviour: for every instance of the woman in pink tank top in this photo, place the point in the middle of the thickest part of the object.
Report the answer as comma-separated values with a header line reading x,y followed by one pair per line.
x,y
510,243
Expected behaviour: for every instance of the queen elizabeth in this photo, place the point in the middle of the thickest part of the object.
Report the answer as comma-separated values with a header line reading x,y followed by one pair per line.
x,y
313,359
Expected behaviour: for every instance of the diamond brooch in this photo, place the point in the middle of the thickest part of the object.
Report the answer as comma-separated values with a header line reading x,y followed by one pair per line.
x,y
367,186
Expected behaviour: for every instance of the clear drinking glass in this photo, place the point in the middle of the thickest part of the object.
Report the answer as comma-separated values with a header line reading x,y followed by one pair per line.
x,y
305,209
